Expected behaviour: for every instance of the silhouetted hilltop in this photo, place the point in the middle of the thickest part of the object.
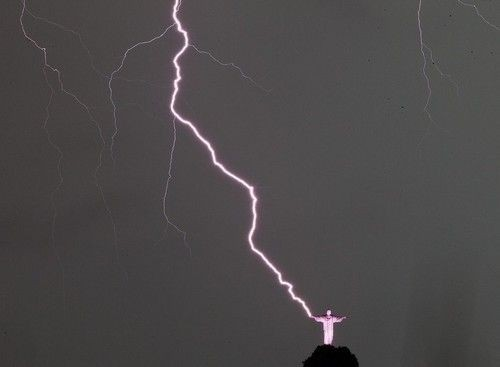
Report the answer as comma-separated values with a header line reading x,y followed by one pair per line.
x,y
330,356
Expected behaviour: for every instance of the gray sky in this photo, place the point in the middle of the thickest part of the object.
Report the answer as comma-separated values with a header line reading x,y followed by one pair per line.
x,y
368,207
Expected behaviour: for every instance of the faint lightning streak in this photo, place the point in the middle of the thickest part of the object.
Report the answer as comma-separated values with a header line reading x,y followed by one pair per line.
x,y
60,155
115,77
56,70
167,184
87,109
115,132
424,65
87,51
229,64
169,177
443,74
476,9
56,189
218,164
426,76
74,33
117,70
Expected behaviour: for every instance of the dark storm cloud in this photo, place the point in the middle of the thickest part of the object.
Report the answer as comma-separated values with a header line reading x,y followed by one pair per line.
x,y
367,206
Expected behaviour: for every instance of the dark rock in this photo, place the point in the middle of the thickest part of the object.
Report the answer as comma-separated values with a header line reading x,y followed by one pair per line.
x,y
330,356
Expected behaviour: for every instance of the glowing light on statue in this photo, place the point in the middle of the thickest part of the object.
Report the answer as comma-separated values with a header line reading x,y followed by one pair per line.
x,y
328,320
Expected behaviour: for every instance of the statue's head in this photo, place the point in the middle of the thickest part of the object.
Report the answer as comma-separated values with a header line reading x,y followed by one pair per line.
x,y
328,312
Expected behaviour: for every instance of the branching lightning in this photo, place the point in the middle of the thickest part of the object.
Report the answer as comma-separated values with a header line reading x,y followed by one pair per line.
x,y
60,157
441,73
116,71
167,184
86,108
229,64
87,51
47,68
423,47
216,162
112,77
73,32
177,118
424,64
427,79
478,13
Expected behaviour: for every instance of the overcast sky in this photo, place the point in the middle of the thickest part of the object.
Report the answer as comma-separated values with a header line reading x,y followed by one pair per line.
x,y
369,207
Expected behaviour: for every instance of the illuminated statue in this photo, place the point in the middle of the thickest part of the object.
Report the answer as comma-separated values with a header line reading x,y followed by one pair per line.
x,y
328,320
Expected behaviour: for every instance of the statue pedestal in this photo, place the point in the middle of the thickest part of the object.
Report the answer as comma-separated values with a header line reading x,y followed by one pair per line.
x,y
330,356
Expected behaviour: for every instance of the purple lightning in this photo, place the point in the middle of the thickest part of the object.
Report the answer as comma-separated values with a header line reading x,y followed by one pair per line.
x,y
177,117
215,161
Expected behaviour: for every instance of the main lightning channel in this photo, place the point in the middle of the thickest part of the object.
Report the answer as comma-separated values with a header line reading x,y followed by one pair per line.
x,y
219,165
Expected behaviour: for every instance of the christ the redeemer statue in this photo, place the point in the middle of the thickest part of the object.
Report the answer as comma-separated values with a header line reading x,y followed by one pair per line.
x,y
328,320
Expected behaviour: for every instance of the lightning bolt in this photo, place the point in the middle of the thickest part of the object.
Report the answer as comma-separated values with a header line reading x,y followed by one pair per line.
x,y
217,163
177,118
